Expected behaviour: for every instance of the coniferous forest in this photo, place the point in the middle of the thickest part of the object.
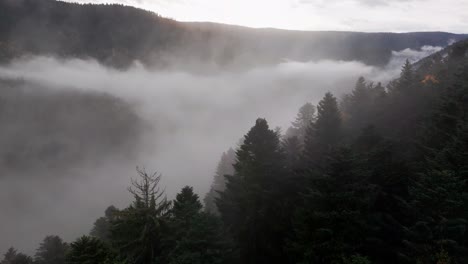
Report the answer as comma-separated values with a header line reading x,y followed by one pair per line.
x,y
377,176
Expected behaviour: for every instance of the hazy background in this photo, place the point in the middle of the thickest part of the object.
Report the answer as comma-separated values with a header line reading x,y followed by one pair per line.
x,y
182,123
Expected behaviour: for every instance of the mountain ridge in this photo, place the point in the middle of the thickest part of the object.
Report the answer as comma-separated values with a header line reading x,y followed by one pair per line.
x,y
118,35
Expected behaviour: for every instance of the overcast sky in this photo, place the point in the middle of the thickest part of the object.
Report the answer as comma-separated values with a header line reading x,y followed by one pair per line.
x,y
352,15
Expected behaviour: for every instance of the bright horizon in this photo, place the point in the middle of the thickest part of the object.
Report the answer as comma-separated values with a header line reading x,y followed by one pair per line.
x,y
334,15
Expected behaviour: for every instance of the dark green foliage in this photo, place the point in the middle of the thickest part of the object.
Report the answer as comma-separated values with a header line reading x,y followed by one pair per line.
x,y
52,250
136,233
324,133
102,226
253,197
333,221
196,237
89,250
13,257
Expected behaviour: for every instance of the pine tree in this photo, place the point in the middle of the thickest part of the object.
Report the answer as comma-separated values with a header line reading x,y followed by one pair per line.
x,y
324,133
332,222
358,106
89,250
137,231
292,149
197,237
305,117
52,250
225,167
249,205
186,206
13,257
102,226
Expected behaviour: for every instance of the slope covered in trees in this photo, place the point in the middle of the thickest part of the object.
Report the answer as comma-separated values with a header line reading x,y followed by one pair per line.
x,y
378,176
118,35
55,129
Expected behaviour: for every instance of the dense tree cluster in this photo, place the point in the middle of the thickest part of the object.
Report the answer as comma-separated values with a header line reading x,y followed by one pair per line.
x,y
380,177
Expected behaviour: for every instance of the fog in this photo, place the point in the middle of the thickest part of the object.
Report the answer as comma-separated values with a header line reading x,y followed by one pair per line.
x,y
190,119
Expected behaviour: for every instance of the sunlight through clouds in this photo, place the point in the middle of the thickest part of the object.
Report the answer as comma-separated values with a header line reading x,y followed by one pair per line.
x,y
349,15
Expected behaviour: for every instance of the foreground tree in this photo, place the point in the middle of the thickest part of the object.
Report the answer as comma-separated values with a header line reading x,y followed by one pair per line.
x,y
253,197
89,250
137,230
196,236
332,222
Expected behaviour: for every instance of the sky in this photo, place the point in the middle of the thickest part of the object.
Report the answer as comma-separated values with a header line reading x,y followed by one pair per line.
x,y
346,15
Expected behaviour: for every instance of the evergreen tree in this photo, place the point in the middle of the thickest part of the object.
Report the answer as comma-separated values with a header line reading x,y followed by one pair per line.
x,y
13,257
225,167
89,250
52,250
325,132
102,226
137,231
292,149
197,237
332,223
358,106
305,117
251,199
186,206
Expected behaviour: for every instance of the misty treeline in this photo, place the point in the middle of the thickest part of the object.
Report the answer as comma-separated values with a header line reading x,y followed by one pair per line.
x,y
118,35
379,176
52,129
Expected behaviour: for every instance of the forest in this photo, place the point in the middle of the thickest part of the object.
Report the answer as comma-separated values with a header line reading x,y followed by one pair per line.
x,y
117,36
376,176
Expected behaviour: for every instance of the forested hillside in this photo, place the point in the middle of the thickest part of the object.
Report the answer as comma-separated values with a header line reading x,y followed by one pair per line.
x,y
118,35
378,176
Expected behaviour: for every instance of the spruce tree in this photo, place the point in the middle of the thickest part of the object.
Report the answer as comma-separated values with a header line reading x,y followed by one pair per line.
x,y
305,117
137,231
52,250
332,222
250,202
195,236
13,257
225,167
89,250
102,226
324,133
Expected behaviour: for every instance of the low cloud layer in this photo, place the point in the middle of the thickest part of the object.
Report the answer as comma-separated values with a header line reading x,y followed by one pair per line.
x,y
190,120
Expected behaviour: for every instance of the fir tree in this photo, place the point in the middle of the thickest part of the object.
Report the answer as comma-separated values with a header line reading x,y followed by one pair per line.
x,y
102,226
324,133
137,231
51,251
89,250
197,237
225,167
248,204
13,257
305,117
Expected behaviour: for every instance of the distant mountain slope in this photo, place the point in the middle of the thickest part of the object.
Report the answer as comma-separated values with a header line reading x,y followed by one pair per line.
x,y
117,35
